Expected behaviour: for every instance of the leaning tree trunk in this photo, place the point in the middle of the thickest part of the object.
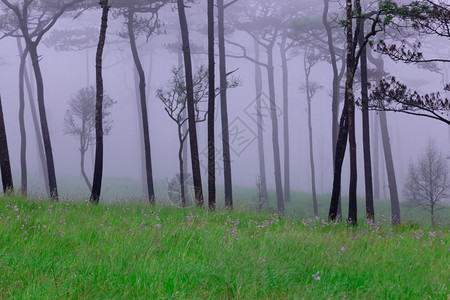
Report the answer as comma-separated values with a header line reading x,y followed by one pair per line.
x,y
5,164
287,162
346,130
143,102
83,149
98,165
40,145
335,124
336,87
44,125
370,213
23,134
141,136
190,104
275,139
395,204
211,99
390,170
260,125
223,106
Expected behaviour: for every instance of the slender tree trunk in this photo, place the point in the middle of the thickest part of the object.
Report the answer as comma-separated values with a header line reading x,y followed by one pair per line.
x,y
143,102
376,163
83,149
352,197
311,146
23,135
260,124
141,137
5,164
181,167
346,130
98,165
190,104
284,67
390,170
370,212
211,102
223,105
83,172
395,204
44,125
432,215
335,123
275,140
39,139
336,87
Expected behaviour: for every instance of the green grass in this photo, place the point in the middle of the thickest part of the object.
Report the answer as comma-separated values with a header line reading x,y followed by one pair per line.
x,y
73,250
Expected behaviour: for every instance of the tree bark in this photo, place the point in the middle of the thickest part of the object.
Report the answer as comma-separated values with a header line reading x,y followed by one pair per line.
x,y
44,125
260,125
98,165
143,103
211,107
275,139
370,213
23,135
190,104
223,105
5,164
284,68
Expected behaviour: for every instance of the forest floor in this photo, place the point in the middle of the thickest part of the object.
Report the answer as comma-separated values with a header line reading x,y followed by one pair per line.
x,y
71,250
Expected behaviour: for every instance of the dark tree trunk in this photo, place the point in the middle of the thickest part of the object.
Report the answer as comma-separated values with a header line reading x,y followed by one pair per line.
x,y
23,135
44,125
275,139
335,124
284,67
5,164
346,130
223,105
190,104
211,99
181,140
40,145
370,213
98,165
143,102
141,137
260,125
336,87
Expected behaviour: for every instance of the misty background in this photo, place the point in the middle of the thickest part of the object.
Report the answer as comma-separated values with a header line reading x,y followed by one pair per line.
x,y
65,72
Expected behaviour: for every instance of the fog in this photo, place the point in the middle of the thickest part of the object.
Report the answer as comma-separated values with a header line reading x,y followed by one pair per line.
x,y
65,72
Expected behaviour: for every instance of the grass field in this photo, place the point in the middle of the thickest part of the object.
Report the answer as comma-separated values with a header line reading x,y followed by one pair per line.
x,y
71,250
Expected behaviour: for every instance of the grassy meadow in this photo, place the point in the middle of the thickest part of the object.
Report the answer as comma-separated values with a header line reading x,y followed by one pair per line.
x,y
71,250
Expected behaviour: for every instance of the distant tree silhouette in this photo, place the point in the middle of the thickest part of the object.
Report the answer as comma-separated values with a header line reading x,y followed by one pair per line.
x,y
79,121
